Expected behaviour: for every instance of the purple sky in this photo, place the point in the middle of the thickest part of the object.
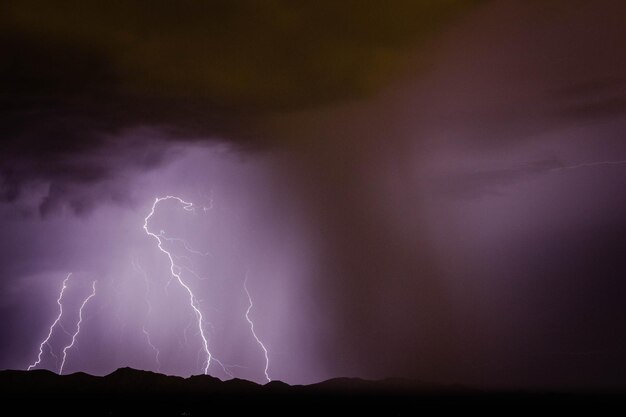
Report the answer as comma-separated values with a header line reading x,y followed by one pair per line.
x,y
456,214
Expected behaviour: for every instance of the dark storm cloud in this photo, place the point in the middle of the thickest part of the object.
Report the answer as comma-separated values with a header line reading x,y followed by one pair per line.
x,y
76,74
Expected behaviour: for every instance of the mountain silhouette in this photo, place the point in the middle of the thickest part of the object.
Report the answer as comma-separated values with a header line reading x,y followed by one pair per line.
x,y
129,391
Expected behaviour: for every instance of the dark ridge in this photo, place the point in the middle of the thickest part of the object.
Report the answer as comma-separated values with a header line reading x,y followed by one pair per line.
x,y
241,384
276,385
203,379
130,391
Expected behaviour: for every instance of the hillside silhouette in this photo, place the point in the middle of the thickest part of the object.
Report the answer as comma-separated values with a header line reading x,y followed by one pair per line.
x,y
129,391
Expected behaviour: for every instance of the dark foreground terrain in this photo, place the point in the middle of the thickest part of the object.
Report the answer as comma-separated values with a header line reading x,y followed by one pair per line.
x,y
132,392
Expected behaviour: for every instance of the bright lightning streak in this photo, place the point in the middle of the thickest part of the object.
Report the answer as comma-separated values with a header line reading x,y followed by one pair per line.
x,y
154,348
186,245
157,353
80,320
56,321
224,368
175,270
267,361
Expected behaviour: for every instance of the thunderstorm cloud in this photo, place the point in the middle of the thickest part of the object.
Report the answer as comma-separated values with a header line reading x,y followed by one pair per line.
x,y
431,189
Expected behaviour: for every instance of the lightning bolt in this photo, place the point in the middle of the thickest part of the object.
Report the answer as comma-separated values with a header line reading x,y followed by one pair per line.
x,y
589,165
224,367
56,321
267,361
176,270
186,245
157,353
80,320
154,348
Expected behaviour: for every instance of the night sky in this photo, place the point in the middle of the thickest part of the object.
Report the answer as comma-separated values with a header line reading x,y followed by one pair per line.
x,y
424,189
